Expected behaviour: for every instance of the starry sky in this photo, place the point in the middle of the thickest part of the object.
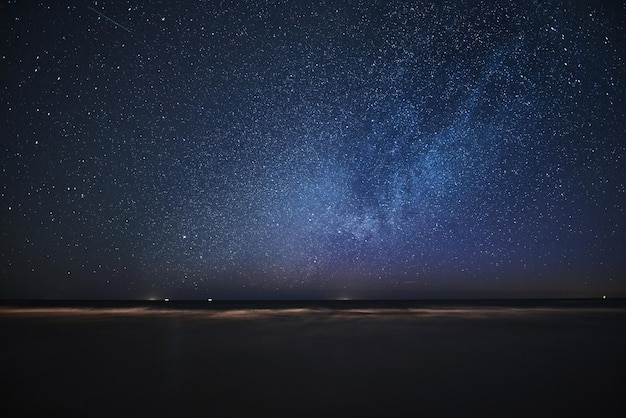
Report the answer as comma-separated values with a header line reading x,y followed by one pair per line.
x,y
327,149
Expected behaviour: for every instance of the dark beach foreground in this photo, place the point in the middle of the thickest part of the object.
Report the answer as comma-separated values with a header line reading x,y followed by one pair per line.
x,y
427,359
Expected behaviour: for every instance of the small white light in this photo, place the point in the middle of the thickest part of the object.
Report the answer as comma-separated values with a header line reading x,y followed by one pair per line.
x,y
210,300
167,299
604,297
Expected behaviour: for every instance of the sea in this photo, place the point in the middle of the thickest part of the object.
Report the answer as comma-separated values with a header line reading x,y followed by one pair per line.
x,y
460,358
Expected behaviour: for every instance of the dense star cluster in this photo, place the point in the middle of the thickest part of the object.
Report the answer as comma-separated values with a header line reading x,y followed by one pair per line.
x,y
313,149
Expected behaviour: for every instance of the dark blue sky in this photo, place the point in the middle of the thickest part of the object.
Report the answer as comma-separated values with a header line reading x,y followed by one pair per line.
x,y
313,149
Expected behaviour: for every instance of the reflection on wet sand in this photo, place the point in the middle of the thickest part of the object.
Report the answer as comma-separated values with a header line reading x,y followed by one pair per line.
x,y
297,360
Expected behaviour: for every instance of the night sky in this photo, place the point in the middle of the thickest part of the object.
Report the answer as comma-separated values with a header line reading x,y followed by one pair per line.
x,y
327,149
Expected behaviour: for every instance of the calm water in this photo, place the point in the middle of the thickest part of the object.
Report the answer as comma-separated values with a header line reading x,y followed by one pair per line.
x,y
350,358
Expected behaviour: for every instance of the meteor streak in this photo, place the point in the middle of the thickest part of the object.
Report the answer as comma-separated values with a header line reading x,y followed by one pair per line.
x,y
110,20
